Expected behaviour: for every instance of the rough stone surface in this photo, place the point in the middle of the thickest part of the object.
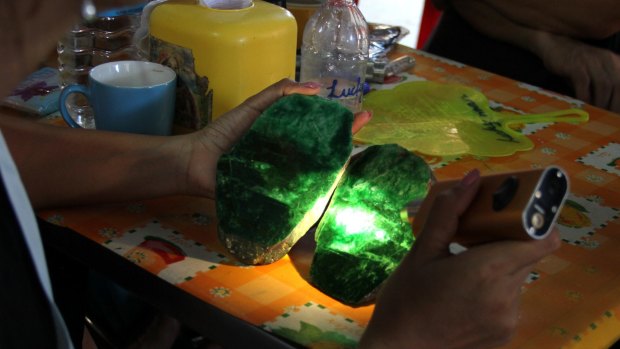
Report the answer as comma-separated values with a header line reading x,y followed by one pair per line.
x,y
286,166
362,238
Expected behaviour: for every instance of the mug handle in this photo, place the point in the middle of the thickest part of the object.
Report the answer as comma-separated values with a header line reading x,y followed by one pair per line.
x,y
68,90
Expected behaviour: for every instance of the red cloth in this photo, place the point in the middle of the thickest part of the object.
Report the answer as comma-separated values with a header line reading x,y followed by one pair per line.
x,y
430,17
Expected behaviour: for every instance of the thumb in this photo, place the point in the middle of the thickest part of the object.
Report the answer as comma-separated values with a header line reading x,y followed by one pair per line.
x,y
262,100
224,132
442,222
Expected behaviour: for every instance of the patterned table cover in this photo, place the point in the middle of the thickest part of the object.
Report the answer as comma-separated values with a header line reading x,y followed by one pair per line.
x,y
571,300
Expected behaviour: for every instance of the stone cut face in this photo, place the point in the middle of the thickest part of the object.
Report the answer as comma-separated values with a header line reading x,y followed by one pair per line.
x,y
275,183
362,238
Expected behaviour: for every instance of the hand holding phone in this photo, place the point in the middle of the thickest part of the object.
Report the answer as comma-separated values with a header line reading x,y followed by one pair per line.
x,y
516,205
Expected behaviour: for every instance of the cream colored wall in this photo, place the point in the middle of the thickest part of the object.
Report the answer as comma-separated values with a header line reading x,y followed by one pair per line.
x,y
406,13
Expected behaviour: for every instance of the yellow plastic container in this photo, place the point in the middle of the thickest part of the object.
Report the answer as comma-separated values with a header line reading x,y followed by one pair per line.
x,y
222,56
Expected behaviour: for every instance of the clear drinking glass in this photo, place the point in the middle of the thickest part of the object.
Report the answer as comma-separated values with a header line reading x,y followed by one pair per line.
x,y
107,38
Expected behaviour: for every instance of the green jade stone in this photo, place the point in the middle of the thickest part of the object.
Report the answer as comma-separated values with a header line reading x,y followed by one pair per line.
x,y
362,238
273,186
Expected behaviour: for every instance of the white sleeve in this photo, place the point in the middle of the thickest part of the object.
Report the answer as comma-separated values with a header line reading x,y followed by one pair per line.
x,y
28,225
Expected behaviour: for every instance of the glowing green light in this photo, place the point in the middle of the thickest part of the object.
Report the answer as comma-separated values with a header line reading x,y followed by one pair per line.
x,y
342,247
362,236
355,221
273,186
380,235
320,204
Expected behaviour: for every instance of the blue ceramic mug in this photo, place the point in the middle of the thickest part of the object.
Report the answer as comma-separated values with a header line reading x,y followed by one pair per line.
x,y
128,96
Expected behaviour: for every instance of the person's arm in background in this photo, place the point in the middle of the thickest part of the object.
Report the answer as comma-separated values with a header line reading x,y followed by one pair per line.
x,y
593,72
435,300
594,19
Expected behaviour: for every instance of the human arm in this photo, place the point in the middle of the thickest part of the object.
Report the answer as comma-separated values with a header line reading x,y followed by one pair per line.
x,y
63,166
594,73
438,300
595,19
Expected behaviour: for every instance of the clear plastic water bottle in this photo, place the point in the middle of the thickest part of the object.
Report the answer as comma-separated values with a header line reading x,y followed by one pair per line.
x,y
334,52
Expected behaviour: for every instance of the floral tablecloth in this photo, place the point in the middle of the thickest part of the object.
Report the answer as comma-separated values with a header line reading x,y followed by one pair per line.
x,y
572,299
